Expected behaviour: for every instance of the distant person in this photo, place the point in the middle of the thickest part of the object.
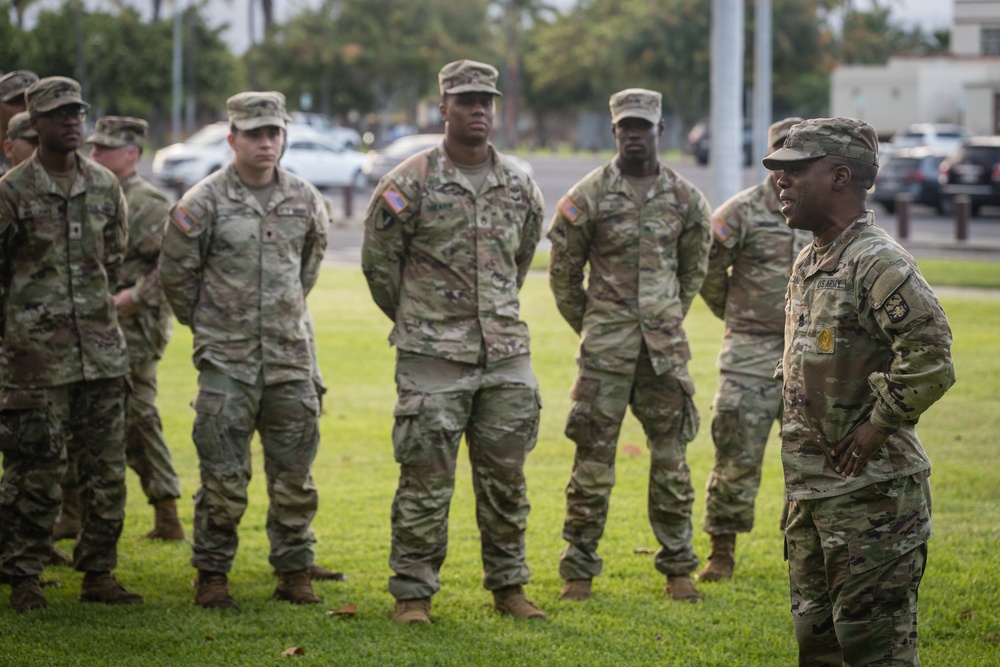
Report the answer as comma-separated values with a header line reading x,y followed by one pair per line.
x,y
240,253
144,316
641,231
449,237
20,140
751,259
63,231
867,351
12,87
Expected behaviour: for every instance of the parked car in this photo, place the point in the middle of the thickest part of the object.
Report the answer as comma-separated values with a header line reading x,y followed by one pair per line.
x,y
973,170
945,136
701,143
344,136
308,153
913,171
381,162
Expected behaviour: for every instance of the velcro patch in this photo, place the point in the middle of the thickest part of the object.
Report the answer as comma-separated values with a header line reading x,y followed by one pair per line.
x,y
394,198
182,218
721,229
569,209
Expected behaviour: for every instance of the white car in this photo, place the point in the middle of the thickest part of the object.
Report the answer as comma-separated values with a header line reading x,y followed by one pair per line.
x,y
944,136
308,153
344,136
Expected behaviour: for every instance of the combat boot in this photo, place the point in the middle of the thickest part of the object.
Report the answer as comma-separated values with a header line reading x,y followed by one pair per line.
x,y
26,594
68,524
320,573
412,612
211,591
680,588
510,600
103,587
166,525
575,589
60,557
296,587
722,559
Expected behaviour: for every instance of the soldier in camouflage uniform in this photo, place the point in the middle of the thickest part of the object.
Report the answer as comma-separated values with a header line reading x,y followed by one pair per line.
x,y
752,254
449,237
144,316
21,141
644,231
867,351
63,234
12,87
241,251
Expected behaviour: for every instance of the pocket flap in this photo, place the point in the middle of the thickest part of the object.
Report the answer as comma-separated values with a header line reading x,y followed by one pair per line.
x,y
584,389
880,545
408,406
21,399
209,403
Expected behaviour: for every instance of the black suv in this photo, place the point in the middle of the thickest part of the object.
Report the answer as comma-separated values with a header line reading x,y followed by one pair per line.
x,y
973,170
913,171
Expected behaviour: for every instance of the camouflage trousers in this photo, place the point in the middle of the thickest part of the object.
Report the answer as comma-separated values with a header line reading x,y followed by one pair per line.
x,y
497,407
855,562
145,447
36,427
663,405
744,410
286,416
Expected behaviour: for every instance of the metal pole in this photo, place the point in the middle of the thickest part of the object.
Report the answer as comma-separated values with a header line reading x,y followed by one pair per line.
x,y
175,100
963,209
762,63
726,153
903,215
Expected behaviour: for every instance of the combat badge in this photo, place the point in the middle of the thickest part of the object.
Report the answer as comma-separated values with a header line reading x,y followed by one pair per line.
x,y
896,308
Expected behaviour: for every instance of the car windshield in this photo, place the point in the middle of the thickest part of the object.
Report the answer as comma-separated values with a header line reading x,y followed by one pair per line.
x,y
409,145
206,136
900,165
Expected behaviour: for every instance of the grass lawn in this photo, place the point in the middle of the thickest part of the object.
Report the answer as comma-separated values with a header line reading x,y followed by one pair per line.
x,y
628,622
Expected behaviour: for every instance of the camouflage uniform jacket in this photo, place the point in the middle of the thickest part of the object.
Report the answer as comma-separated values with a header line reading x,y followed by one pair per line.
x,y
148,330
748,268
445,264
58,261
866,338
238,275
646,265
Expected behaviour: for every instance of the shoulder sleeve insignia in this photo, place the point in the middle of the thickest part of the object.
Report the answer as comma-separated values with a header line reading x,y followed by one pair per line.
x,y
394,198
721,229
569,209
896,308
182,218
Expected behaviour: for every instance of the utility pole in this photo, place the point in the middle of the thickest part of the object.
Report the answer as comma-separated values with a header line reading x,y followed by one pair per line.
x,y
176,68
726,153
762,64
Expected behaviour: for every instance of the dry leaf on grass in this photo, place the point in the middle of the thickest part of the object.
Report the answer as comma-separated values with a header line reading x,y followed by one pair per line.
x,y
641,551
965,614
293,650
632,450
209,638
993,639
346,610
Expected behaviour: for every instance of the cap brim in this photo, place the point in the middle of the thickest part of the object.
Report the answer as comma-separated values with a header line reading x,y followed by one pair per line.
x,y
782,155
260,121
473,88
649,117
9,96
60,102
105,140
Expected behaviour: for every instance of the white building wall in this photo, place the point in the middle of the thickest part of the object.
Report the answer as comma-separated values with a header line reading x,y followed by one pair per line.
x,y
970,17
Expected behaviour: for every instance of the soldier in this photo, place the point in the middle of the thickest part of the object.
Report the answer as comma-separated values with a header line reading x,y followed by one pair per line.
x,y
752,254
449,237
62,240
867,351
20,141
144,316
12,87
241,251
644,231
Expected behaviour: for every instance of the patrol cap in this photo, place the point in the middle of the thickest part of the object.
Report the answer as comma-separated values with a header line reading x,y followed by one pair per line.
x,y
468,76
636,103
817,137
117,131
253,109
51,93
15,83
777,132
19,127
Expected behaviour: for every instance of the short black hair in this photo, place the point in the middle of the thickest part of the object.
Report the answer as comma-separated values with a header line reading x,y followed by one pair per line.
x,y
862,173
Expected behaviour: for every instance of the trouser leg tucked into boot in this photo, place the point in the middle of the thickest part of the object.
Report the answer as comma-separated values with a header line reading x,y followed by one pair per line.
x,y
511,600
296,587
722,559
166,525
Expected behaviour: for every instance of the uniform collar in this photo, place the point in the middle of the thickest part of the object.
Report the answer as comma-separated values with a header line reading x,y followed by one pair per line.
x,y
830,259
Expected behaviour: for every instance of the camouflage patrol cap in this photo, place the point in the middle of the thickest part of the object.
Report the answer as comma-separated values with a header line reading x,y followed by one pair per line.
x,y
19,127
777,132
117,131
636,103
468,76
817,137
51,93
253,109
15,83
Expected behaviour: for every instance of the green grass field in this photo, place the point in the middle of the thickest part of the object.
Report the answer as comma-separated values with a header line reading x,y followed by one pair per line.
x,y
628,622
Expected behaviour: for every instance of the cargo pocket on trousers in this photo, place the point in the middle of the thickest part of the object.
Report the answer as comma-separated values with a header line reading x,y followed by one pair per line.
x,y
579,421
880,545
406,434
727,430
24,424
207,431
692,420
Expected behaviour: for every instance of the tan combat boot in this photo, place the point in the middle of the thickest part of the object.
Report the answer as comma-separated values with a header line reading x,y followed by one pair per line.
x,y
211,591
26,594
722,559
680,588
575,589
510,600
68,524
296,587
412,612
103,587
166,525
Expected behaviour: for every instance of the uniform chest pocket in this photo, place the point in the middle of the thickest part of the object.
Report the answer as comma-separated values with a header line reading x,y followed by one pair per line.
x,y
236,231
770,241
615,226
287,224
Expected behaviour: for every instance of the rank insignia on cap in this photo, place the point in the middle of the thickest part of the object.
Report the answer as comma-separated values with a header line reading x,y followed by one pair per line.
x,y
721,229
569,209
394,199
182,218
